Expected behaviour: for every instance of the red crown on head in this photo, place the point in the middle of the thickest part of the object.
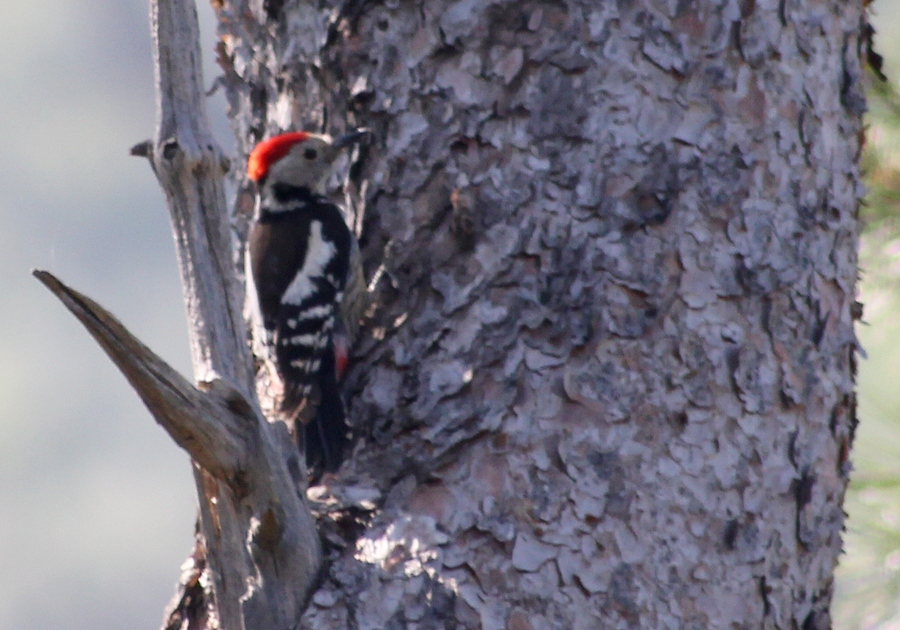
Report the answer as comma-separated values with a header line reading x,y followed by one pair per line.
x,y
270,151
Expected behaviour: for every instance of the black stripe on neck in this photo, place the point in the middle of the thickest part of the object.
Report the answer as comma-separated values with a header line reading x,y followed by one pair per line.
x,y
284,193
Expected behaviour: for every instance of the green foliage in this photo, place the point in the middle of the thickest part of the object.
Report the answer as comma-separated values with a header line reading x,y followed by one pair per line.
x,y
881,159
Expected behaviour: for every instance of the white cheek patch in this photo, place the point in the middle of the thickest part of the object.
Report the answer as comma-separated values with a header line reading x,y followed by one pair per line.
x,y
319,253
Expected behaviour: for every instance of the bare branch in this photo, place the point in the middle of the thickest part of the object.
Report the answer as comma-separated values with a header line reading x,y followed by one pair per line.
x,y
191,168
209,426
257,543
259,539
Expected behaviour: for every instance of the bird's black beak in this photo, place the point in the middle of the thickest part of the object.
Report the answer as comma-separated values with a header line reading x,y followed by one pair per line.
x,y
349,139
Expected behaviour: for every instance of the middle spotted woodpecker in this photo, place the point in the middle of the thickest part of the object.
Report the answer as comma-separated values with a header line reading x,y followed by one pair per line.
x,y
302,259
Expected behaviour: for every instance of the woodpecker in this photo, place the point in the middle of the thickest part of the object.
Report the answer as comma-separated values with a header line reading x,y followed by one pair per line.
x,y
302,260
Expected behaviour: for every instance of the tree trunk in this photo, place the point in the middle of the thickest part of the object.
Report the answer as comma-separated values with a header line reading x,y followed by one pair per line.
x,y
608,377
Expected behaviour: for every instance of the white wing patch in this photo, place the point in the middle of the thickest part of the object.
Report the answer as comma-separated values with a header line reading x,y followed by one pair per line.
x,y
318,255
316,312
303,340
262,338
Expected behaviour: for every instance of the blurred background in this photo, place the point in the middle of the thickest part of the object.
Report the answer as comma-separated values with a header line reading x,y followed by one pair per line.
x,y
868,578
96,502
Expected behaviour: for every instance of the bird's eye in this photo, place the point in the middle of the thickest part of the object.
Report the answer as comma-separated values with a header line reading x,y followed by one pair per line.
x,y
310,154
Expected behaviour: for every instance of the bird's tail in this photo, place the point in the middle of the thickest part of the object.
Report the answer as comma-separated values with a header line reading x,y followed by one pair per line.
x,y
326,436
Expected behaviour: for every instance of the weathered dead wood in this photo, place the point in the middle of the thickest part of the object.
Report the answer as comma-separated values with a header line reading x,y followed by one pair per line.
x,y
211,425
256,498
257,544
190,168
260,539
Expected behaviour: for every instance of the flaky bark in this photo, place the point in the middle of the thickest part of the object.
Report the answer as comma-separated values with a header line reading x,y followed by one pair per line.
x,y
610,379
